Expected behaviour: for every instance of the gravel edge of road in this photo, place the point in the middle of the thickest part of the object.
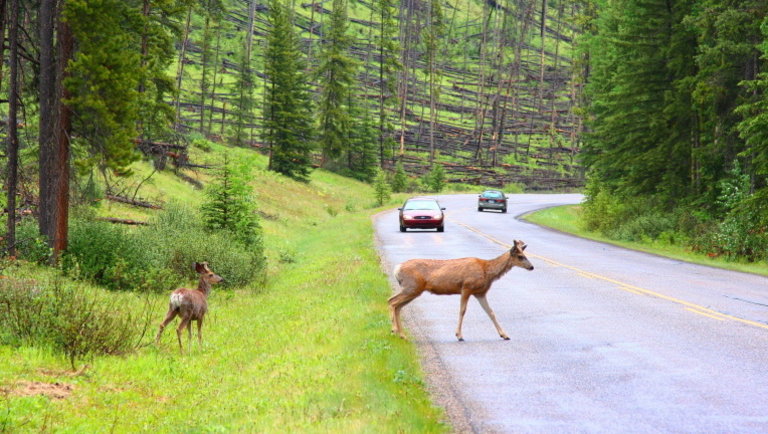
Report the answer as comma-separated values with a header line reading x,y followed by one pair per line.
x,y
439,385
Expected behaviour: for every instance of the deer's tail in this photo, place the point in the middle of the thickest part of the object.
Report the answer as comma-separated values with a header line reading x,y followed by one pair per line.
x,y
176,300
396,273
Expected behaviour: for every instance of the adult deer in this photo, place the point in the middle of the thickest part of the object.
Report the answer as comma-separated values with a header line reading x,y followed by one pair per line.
x,y
190,305
465,276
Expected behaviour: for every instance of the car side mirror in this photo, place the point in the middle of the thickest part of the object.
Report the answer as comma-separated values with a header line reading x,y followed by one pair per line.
x,y
442,209
399,209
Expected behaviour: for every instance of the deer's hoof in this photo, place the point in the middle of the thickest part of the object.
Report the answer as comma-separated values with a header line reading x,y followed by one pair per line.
x,y
506,338
461,339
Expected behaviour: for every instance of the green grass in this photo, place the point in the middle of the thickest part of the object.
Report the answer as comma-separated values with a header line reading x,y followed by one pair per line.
x,y
566,219
309,352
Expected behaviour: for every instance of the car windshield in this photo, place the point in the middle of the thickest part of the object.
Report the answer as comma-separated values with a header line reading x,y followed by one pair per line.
x,y
493,194
421,204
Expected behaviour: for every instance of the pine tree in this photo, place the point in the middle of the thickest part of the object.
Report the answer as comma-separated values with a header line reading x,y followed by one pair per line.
x,y
287,108
389,53
103,80
641,117
229,206
336,76
381,188
753,128
399,179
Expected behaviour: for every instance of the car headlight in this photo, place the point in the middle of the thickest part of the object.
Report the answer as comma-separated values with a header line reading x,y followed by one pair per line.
x,y
407,217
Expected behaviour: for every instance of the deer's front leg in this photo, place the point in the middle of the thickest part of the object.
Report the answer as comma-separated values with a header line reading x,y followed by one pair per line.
x,y
487,308
465,293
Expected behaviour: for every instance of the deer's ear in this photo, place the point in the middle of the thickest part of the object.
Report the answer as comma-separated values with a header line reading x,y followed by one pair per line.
x,y
200,267
524,246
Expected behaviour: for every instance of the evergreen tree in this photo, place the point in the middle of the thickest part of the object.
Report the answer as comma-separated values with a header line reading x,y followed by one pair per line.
x,y
157,53
436,178
399,179
381,189
103,80
229,206
361,155
287,108
244,87
389,53
640,105
753,128
336,76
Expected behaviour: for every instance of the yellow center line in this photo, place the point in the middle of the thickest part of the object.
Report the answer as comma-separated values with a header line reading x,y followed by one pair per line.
x,y
693,307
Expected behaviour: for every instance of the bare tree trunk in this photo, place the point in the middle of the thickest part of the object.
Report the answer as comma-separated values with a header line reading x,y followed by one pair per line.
x,y
13,137
180,69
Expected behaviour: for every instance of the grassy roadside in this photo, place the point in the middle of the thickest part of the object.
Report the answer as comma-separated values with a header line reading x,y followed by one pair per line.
x,y
309,352
566,219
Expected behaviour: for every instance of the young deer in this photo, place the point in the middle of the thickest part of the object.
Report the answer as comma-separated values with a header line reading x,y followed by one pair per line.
x,y
190,305
465,276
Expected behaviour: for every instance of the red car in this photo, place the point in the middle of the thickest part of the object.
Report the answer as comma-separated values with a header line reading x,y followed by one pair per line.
x,y
421,213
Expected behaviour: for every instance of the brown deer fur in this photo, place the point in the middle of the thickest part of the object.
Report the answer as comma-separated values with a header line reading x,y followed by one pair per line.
x,y
465,276
190,305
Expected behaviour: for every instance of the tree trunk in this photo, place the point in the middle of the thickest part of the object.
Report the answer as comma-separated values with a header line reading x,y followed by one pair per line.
x,y
180,70
62,133
13,137
47,90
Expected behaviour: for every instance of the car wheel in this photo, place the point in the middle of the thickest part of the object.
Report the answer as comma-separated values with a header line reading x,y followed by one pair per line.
x,y
479,209
402,228
503,210
441,229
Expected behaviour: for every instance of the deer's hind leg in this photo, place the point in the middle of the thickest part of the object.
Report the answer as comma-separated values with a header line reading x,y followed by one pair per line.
x,y
168,318
185,323
396,303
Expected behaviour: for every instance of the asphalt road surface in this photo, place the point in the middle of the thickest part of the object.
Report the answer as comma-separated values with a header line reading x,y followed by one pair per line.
x,y
603,339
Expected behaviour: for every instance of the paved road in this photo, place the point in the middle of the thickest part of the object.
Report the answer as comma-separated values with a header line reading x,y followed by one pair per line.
x,y
603,339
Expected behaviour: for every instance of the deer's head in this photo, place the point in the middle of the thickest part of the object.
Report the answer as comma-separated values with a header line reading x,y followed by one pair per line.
x,y
206,274
518,257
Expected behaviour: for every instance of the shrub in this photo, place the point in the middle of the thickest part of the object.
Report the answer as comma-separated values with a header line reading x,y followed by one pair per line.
x,y
181,240
742,233
30,245
75,321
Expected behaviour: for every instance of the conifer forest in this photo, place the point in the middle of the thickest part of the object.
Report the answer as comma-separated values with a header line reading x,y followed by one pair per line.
x,y
658,108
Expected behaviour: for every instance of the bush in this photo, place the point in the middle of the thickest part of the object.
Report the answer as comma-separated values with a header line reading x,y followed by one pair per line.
x,y
115,257
30,245
742,234
77,322
181,240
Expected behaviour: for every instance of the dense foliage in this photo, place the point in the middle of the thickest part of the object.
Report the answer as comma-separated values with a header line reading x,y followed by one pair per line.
x,y
676,99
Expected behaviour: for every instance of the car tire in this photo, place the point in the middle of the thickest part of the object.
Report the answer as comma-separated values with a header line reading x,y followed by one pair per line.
x,y
402,228
479,209
441,229
504,210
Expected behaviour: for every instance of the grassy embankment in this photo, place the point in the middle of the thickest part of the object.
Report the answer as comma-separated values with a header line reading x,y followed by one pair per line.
x,y
310,351
566,219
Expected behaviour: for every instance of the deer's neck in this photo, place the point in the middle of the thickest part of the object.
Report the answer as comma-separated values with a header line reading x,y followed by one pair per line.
x,y
497,267
204,287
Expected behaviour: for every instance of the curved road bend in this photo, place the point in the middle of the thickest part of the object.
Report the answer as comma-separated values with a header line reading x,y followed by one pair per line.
x,y
603,339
